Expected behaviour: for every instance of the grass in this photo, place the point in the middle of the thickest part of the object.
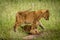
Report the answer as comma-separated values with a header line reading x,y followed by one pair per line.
x,y
9,8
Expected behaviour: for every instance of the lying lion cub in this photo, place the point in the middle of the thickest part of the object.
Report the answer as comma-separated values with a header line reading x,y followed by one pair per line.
x,y
27,28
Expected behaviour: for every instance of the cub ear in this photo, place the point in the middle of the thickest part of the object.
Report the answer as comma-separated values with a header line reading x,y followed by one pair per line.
x,y
47,11
44,11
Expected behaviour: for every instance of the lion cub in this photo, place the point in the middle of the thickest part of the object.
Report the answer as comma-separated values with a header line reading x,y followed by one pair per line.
x,y
27,28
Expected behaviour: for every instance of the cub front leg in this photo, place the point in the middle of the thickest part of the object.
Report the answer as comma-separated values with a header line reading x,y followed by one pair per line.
x,y
40,24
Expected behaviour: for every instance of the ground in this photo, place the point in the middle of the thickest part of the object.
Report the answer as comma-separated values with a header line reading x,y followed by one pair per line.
x,y
9,8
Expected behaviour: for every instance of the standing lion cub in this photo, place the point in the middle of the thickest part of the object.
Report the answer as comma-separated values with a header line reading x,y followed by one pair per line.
x,y
32,18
